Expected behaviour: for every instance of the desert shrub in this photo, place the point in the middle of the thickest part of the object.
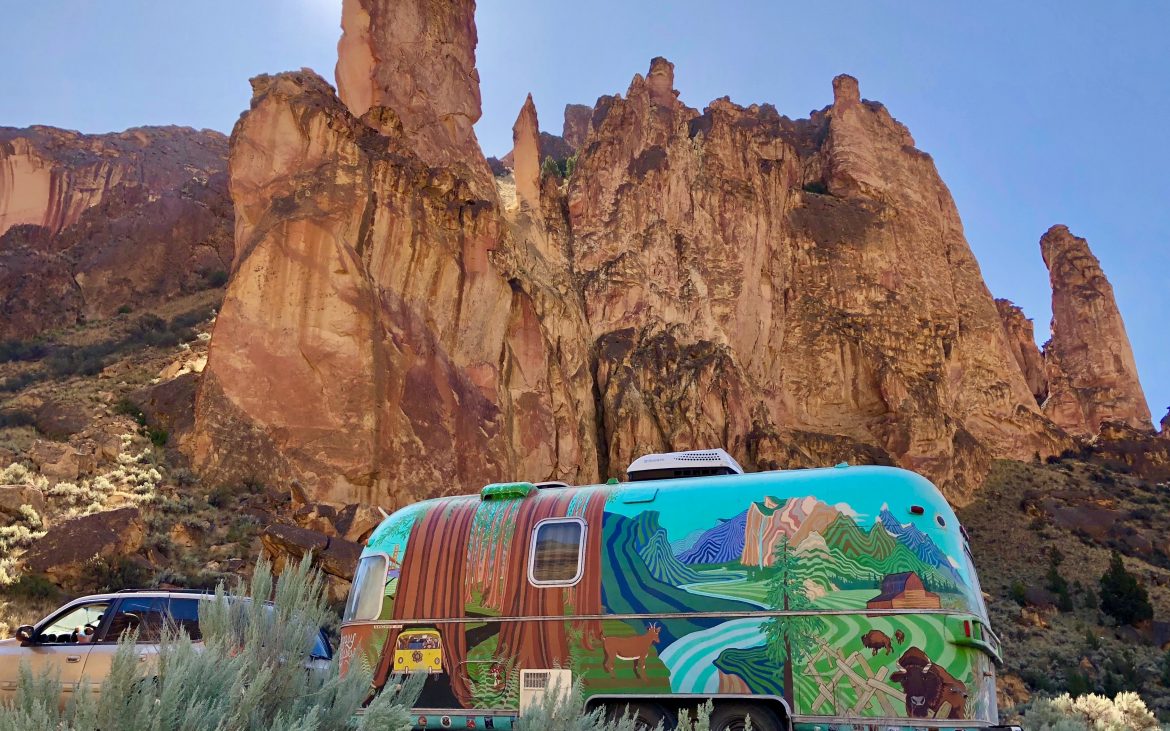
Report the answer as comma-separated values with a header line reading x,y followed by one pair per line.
x,y
1122,596
126,407
158,437
1125,712
21,381
125,310
216,278
16,417
1056,583
18,350
33,586
818,187
101,574
550,167
248,673
1017,591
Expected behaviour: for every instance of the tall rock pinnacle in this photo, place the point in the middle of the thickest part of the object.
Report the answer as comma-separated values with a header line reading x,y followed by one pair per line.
x,y
417,57
1091,368
526,155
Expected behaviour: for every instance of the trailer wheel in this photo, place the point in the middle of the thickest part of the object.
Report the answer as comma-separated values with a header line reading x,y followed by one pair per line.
x,y
733,717
646,716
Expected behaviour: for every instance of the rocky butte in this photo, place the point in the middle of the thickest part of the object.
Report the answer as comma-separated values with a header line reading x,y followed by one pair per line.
x,y
797,291
90,223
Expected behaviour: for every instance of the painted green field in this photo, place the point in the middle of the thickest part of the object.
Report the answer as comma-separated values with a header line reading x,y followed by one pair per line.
x,y
844,633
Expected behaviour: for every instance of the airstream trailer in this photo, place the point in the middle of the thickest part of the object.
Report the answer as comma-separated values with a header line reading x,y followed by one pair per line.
x,y
841,598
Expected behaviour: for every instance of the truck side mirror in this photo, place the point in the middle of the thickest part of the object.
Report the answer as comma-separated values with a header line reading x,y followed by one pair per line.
x,y
24,633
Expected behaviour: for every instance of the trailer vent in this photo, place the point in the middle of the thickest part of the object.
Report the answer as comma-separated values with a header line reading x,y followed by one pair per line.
x,y
535,684
683,464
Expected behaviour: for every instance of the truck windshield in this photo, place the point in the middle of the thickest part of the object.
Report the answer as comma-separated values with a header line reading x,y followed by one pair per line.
x,y
369,585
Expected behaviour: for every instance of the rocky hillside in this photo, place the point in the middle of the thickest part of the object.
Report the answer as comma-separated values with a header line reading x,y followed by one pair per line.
x,y
798,291
91,224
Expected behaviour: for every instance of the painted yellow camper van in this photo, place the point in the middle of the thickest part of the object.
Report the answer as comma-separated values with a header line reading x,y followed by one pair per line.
x,y
841,598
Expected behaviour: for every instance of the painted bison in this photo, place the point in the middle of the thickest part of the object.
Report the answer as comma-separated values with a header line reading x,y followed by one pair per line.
x,y
900,637
876,640
931,692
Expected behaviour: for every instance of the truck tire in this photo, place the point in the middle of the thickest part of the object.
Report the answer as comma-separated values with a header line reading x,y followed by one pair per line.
x,y
733,717
646,716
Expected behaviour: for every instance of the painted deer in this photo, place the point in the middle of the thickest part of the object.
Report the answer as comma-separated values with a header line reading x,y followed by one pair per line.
x,y
634,648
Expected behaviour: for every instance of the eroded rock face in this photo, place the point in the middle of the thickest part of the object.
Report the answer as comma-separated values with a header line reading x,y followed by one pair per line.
x,y
1022,340
578,121
802,274
49,176
417,57
369,347
1091,369
91,223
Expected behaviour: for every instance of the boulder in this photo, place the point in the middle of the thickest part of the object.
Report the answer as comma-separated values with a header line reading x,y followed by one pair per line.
x,y
63,551
356,522
13,497
335,556
59,421
59,461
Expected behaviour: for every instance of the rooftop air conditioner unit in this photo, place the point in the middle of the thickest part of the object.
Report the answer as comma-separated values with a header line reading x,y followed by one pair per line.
x,y
698,463
535,684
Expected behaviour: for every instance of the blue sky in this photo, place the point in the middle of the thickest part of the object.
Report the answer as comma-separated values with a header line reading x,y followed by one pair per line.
x,y
1036,113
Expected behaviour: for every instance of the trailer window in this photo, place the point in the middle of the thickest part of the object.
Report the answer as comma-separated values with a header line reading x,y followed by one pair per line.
x,y
557,556
369,586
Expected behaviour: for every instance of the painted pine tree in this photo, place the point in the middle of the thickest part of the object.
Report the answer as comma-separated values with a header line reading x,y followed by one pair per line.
x,y
790,638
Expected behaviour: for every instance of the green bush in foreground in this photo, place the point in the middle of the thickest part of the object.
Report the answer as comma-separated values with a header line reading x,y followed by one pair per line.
x,y
249,673
1125,712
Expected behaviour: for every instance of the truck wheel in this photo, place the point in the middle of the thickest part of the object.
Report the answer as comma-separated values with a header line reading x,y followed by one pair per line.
x,y
733,717
646,716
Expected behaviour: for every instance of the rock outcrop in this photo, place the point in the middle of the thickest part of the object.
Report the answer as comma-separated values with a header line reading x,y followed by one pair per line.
x,y
92,223
1022,339
417,58
1091,369
368,346
578,121
799,292
806,276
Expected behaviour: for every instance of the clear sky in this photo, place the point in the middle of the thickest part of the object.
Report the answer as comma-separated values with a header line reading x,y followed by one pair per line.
x,y
1037,112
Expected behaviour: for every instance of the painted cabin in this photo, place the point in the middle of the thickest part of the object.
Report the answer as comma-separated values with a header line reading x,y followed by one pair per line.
x,y
766,592
904,591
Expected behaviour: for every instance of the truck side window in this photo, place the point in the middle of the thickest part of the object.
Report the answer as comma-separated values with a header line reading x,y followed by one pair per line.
x,y
557,556
184,613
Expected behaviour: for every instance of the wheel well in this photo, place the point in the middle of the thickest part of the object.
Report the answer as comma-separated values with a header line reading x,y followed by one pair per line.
x,y
676,703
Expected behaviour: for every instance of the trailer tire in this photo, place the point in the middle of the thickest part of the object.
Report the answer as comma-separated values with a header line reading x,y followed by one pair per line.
x,y
733,717
646,716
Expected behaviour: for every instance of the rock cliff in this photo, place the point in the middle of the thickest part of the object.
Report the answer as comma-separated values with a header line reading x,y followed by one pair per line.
x,y
1091,370
369,347
1022,339
797,291
92,223
49,176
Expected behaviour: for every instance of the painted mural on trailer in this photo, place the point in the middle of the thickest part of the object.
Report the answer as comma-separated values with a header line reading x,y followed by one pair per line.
x,y
655,552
